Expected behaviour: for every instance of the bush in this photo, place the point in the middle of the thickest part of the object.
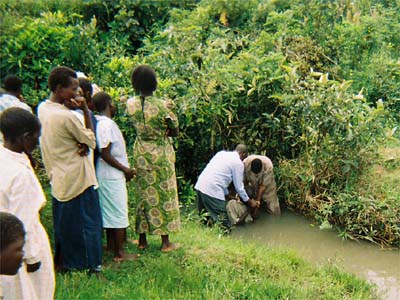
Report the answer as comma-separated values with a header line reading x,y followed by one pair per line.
x,y
254,72
33,47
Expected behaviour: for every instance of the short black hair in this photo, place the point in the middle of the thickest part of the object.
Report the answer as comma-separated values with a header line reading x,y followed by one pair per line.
x,y
60,76
15,121
85,85
101,101
144,79
12,83
256,165
11,229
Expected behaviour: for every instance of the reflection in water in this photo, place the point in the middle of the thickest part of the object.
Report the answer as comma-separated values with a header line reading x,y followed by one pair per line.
x,y
377,265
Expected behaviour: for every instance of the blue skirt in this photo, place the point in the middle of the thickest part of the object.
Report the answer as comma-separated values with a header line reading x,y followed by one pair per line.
x,y
77,232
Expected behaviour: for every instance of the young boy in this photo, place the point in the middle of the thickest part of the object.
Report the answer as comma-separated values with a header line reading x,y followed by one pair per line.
x,y
12,241
112,172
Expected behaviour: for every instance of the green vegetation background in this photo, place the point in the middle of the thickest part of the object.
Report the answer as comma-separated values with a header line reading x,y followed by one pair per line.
x,y
312,84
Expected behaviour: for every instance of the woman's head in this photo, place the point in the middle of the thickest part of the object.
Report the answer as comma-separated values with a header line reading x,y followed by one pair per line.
x,y
144,79
20,128
11,243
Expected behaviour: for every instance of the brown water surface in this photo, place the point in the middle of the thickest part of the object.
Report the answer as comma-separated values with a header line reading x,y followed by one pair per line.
x,y
377,265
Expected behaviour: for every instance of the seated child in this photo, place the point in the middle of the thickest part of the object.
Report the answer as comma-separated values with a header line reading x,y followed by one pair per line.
x,y
112,172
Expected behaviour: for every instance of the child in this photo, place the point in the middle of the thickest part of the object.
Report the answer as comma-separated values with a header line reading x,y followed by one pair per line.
x,y
12,241
22,195
112,174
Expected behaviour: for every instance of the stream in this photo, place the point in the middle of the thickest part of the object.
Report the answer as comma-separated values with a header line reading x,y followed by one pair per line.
x,y
377,265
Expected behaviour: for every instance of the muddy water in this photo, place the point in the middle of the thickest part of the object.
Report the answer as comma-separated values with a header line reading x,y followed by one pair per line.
x,y
378,266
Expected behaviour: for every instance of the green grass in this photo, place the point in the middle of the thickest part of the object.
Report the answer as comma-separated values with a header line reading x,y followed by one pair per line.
x,y
210,266
383,178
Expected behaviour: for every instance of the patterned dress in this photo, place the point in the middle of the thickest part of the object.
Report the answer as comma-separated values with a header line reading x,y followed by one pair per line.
x,y
155,190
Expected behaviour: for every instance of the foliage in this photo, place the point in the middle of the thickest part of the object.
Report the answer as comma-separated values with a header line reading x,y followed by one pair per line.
x,y
313,85
33,47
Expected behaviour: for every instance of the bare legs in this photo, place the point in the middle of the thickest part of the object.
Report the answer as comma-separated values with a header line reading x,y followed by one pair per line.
x,y
166,245
115,243
142,241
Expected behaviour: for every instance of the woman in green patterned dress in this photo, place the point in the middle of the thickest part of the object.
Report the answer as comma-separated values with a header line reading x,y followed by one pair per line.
x,y
156,191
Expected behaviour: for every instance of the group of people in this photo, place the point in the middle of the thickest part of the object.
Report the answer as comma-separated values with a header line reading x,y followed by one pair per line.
x,y
85,158
253,183
88,168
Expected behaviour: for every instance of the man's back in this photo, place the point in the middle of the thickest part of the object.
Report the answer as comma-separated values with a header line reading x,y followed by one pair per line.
x,y
219,173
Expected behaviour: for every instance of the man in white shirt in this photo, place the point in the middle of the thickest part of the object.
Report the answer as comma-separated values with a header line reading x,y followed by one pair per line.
x,y
212,185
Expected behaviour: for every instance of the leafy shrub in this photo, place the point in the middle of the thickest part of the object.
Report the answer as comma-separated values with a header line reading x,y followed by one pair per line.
x,y
34,46
254,71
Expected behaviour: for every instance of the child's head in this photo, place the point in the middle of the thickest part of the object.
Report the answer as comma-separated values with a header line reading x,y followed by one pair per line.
x,y
102,101
20,128
12,239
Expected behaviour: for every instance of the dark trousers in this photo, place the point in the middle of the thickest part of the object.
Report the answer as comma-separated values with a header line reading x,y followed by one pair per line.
x,y
215,208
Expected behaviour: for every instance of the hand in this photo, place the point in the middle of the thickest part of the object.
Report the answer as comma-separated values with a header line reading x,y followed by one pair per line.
x,y
253,203
21,98
83,149
30,268
129,174
77,102
255,212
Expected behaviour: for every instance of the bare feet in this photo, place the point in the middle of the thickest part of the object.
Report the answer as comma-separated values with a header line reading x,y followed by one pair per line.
x,y
126,257
142,241
170,247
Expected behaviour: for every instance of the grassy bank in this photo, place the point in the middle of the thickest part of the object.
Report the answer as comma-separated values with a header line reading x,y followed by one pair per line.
x,y
211,266
369,209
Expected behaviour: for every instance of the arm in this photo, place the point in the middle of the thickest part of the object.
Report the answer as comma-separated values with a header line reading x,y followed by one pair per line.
x,y
237,175
108,158
82,104
87,117
172,132
172,120
237,178
260,192
79,132
28,213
